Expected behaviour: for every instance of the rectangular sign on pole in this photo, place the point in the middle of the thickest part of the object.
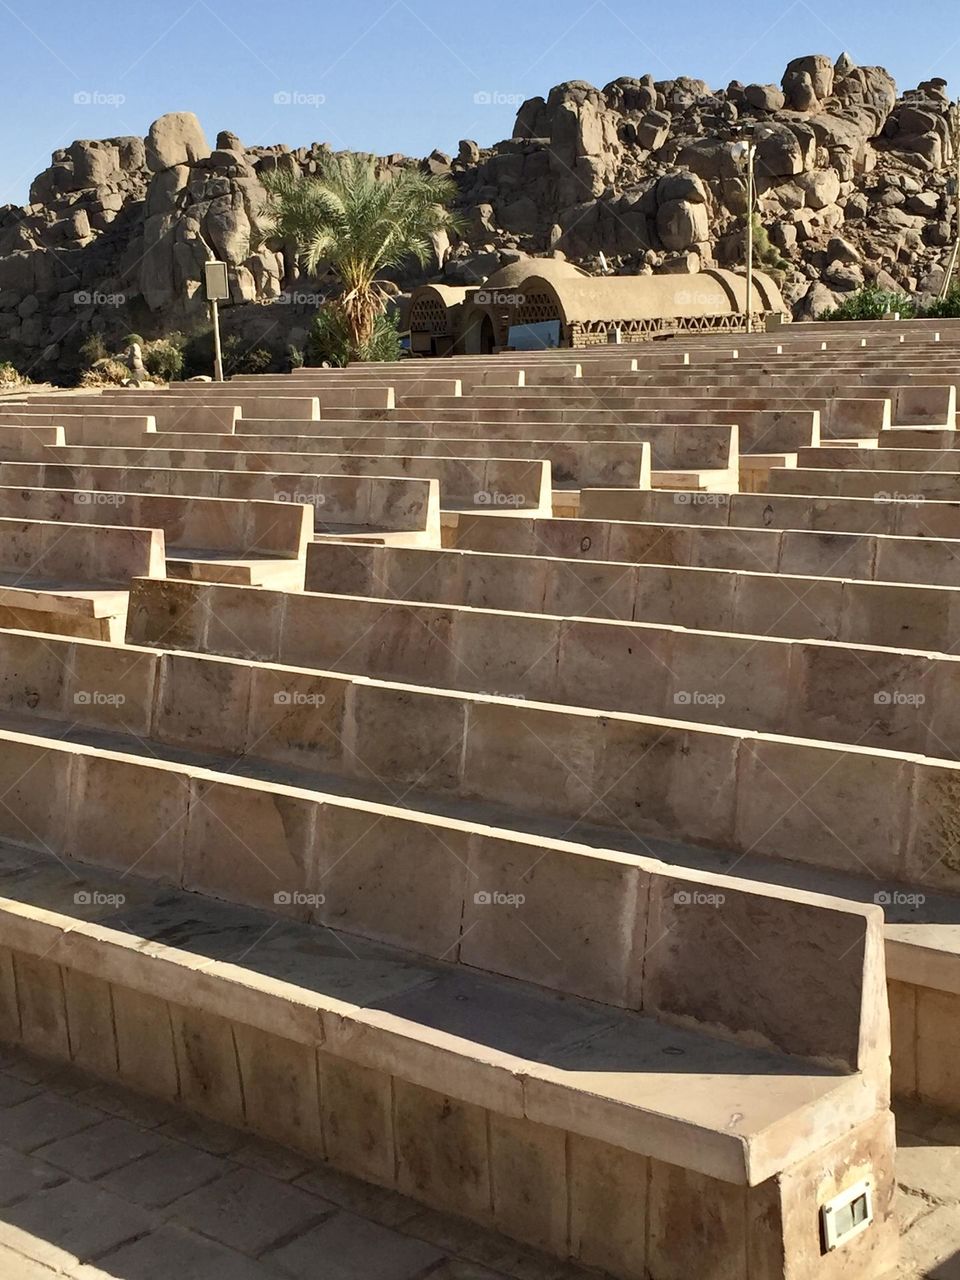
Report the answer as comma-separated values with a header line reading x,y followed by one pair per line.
x,y
216,281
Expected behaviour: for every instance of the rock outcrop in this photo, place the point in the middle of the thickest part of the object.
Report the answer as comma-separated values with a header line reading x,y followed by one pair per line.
x,y
852,184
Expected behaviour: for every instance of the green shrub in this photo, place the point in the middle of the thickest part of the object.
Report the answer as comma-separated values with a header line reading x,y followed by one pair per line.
x,y
329,339
163,358
947,308
132,338
871,303
239,358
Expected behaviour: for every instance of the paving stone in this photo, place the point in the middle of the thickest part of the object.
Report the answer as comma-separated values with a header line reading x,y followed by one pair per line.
x,y
933,1169
115,1100
174,1254
14,1090
345,1247
165,1175
71,1222
456,1269
932,1248
21,1176
910,1208
45,1118
386,1207
266,1157
474,1244
249,1211
218,1139
94,1152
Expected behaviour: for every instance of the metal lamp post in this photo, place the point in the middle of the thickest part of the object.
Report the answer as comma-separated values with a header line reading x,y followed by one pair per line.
x,y
747,150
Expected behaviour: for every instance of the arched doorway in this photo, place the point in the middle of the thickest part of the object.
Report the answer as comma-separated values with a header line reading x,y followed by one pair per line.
x,y
488,336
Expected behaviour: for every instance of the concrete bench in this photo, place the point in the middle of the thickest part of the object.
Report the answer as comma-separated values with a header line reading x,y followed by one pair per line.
x,y
905,460
882,486
172,416
827,554
762,684
886,515
381,1074
228,400
574,463
895,615
83,428
19,443
241,541
508,484
366,506
72,579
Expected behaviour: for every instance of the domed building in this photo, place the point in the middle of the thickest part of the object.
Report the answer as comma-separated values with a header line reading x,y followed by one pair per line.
x,y
550,301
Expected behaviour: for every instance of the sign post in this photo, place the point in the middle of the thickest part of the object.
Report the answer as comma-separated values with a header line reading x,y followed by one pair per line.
x,y
217,286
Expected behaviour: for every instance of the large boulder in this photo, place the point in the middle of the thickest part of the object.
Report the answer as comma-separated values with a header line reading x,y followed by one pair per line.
x,y
818,69
681,224
177,138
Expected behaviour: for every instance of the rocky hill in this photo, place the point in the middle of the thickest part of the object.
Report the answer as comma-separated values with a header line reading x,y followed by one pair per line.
x,y
852,181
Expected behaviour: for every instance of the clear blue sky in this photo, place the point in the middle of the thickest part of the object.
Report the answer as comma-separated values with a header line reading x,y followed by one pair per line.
x,y
402,75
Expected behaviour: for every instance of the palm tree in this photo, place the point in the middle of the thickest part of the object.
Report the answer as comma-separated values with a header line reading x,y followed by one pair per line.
x,y
360,225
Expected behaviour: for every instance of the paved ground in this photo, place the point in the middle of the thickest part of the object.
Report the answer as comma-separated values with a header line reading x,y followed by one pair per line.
x,y
99,1184
928,1173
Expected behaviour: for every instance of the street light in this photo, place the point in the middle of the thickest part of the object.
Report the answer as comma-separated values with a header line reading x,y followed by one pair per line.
x,y
747,150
